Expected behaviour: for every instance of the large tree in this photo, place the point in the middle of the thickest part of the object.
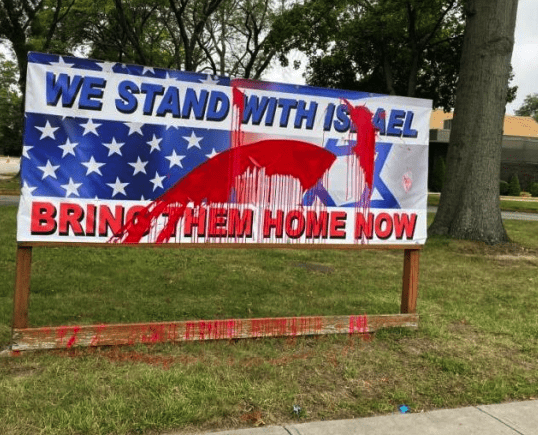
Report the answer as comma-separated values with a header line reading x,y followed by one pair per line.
x,y
469,206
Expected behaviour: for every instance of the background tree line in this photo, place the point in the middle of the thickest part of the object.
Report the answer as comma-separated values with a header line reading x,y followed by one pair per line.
x,y
399,47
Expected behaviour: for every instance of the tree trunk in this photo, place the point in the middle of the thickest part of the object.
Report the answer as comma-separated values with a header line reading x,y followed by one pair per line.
x,y
469,206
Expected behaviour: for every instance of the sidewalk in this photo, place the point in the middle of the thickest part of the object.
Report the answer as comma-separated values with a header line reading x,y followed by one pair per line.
x,y
506,418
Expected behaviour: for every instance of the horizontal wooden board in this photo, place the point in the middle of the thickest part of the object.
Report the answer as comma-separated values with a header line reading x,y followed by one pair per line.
x,y
180,331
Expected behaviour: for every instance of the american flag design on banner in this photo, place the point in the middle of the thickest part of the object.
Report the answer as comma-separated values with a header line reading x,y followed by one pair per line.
x,y
118,153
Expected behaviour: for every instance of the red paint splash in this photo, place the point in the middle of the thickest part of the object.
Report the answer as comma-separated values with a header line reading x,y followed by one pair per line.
x,y
212,182
60,334
238,103
407,181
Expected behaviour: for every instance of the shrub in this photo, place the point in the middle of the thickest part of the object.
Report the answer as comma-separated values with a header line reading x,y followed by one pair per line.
x,y
503,187
533,189
514,188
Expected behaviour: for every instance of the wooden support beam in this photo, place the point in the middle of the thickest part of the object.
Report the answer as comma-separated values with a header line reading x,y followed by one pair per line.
x,y
181,331
21,295
410,281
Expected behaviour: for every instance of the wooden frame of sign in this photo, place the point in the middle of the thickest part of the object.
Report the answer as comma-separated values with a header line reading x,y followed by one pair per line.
x,y
25,338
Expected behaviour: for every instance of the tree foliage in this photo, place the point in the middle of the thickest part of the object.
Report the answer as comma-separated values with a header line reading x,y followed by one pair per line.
x,y
32,25
401,47
529,108
227,37
10,108
533,189
236,42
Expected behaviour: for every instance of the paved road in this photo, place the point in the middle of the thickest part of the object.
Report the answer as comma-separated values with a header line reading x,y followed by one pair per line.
x,y
521,216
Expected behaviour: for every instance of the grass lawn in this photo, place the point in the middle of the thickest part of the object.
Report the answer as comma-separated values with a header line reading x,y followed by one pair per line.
x,y
477,341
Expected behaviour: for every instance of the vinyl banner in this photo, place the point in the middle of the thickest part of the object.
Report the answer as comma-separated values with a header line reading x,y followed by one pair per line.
x,y
126,154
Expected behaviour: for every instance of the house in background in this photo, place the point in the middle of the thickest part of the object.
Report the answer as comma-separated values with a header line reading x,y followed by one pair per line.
x,y
519,154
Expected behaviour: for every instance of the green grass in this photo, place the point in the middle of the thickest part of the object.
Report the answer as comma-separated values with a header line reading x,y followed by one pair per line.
x,y
477,341
520,205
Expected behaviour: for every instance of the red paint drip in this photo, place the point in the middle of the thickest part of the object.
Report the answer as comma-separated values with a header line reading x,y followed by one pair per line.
x,y
238,100
230,328
60,334
189,331
364,149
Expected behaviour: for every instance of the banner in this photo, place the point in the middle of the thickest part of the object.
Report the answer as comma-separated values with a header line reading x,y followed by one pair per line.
x,y
126,154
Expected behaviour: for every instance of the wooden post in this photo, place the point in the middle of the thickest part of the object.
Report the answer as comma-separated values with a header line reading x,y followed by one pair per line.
x,y
410,281
22,287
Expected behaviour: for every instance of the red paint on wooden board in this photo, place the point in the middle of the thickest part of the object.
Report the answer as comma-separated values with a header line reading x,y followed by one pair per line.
x,y
358,324
73,338
189,331
230,328
94,342
151,333
60,334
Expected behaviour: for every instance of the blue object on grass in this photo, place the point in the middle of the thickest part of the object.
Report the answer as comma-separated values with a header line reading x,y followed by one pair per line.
x,y
403,408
